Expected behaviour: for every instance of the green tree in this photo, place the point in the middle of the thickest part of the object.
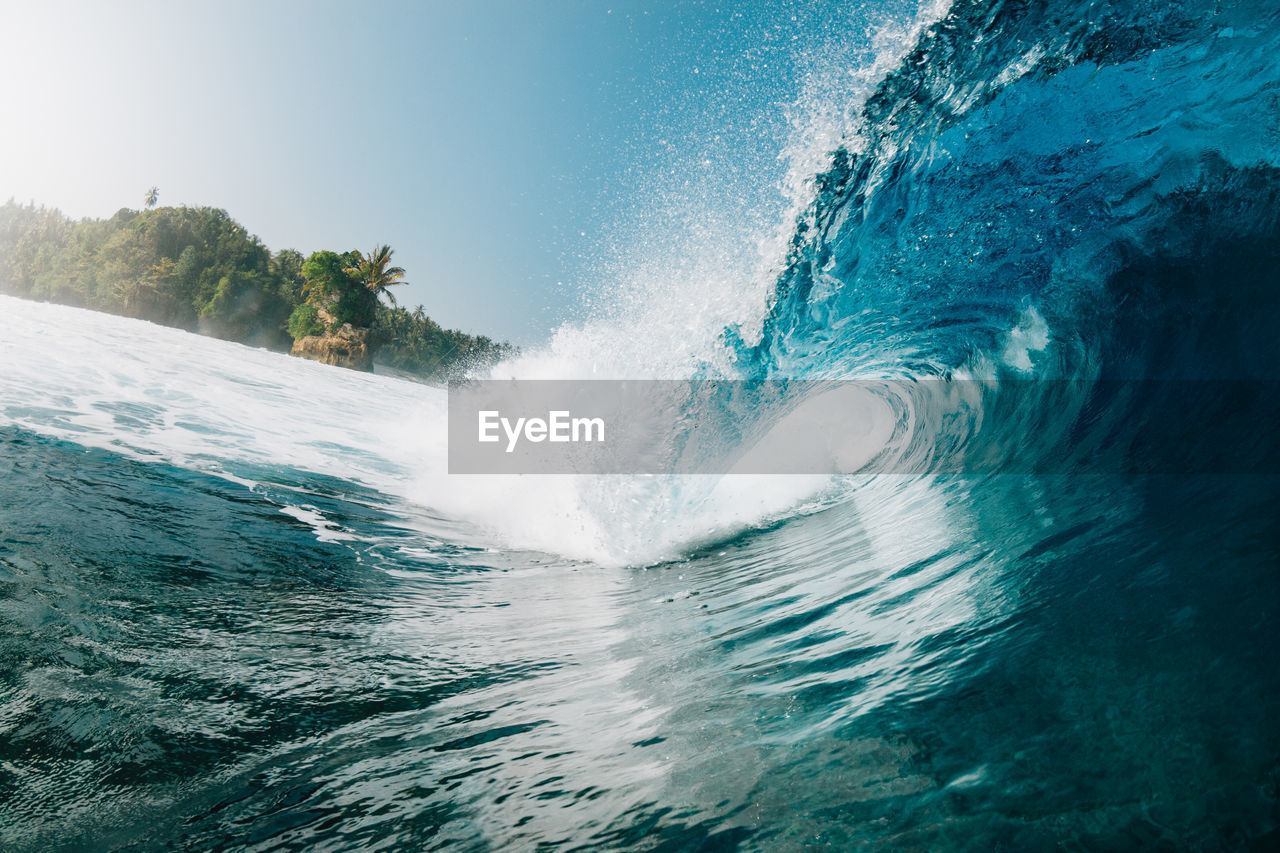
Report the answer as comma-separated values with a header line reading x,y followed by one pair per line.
x,y
304,321
414,343
286,267
335,292
153,196
375,272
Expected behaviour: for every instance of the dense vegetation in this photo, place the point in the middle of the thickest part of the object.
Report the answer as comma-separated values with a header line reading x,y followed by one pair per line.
x,y
413,342
196,268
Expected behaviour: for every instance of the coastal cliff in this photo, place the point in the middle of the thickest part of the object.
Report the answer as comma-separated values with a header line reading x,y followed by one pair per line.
x,y
345,346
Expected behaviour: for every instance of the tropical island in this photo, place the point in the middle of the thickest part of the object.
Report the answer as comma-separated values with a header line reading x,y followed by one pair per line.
x,y
196,268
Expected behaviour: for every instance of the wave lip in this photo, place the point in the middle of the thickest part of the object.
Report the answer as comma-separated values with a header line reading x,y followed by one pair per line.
x,y
1027,158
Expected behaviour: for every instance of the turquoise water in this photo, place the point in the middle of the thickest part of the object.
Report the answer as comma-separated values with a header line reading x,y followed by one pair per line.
x,y
243,605
184,663
1020,662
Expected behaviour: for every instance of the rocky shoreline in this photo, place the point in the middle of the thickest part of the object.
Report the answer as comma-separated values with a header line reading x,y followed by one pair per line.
x,y
345,346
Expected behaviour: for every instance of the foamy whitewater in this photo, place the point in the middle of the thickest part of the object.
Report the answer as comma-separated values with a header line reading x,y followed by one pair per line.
x,y
243,605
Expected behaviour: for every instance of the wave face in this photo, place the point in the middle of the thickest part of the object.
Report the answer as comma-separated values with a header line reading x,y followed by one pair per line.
x,y
242,605
1045,188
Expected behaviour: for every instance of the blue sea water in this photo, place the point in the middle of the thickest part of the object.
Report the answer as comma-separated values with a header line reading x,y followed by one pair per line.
x,y
242,604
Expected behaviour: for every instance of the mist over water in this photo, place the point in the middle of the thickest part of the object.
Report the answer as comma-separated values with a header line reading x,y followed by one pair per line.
x,y
243,604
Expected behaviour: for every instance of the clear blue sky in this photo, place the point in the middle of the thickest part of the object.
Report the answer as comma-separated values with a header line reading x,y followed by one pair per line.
x,y
504,149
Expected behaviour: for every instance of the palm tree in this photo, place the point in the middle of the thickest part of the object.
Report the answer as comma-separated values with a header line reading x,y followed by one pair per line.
x,y
373,271
153,196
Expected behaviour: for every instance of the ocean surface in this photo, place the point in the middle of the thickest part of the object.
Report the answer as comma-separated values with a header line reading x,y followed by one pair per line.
x,y
243,605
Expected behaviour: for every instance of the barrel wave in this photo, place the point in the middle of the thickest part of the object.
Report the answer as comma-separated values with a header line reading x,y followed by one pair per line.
x,y
243,605
1055,194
